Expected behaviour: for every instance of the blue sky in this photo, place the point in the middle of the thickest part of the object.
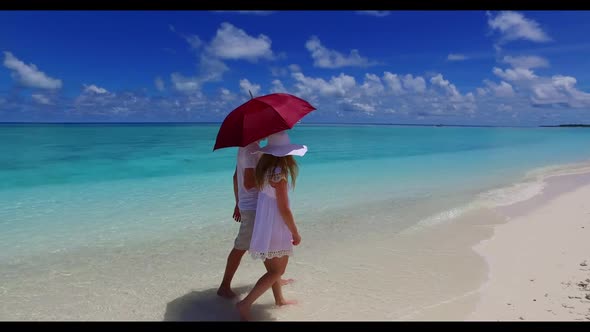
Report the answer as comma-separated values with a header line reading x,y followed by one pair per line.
x,y
450,67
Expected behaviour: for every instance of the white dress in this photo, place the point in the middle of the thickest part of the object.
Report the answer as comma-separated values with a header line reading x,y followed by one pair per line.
x,y
271,237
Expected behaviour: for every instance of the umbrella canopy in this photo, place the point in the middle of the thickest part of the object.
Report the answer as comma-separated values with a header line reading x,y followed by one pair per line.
x,y
260,117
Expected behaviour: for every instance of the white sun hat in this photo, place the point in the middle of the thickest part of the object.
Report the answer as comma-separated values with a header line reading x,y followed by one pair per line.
x,y
279,145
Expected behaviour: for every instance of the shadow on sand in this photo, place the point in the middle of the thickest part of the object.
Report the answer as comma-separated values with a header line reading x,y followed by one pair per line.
x,y
205,305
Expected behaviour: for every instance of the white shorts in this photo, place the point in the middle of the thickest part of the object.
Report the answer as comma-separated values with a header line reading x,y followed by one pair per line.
x,y
244,237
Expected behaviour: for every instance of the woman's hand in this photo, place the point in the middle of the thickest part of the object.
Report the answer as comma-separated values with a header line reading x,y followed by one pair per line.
x,y
296,239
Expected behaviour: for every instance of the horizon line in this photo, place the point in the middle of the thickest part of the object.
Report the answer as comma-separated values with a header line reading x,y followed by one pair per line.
x,y
304,123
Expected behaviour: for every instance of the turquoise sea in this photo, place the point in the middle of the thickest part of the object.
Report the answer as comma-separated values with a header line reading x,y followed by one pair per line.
x,y
65,186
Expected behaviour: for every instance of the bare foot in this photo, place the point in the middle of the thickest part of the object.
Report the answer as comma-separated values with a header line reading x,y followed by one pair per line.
x,y
226,293
244,311
285,302
287,281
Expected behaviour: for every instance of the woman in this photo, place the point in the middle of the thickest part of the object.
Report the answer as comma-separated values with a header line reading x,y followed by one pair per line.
x,y
275,232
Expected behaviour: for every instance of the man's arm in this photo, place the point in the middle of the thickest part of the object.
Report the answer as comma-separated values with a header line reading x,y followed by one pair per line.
x,y
237,216
236,185
250,162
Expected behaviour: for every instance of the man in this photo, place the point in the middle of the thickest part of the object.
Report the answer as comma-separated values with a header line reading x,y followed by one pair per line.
x,y
246,195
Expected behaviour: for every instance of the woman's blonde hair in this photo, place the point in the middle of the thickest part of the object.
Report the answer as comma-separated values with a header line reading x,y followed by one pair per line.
x,y
267,164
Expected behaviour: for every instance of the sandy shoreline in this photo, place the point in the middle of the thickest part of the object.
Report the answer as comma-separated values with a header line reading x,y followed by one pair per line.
x,y
539,260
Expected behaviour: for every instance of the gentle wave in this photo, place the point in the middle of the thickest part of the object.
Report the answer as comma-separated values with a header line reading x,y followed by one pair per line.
x,y
532,184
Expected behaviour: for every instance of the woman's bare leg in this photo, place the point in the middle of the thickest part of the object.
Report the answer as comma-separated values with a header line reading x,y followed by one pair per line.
x,y
275,269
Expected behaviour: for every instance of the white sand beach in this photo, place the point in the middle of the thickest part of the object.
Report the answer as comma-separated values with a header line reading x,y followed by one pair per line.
x,y
539,262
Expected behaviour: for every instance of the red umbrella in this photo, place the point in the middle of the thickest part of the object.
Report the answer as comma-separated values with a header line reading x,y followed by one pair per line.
x,y
260,117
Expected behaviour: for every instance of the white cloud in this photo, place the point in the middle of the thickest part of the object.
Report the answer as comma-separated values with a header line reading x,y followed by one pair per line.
x,y
526,62
194,41
229,42
393,81
29,75
566,82
41,99
337,86
351,105
416,84
559,90
185,84
94,89
226,95
91,100
277,86
138,106
446,86
504,108
279,71
504,90
500,90
326,58
547,93
248,87
211,69
119,109
372,85
284,71
371,94
294,68
516,74
234,43
514,26
377,13
159,82
456,57
453,101
377,94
